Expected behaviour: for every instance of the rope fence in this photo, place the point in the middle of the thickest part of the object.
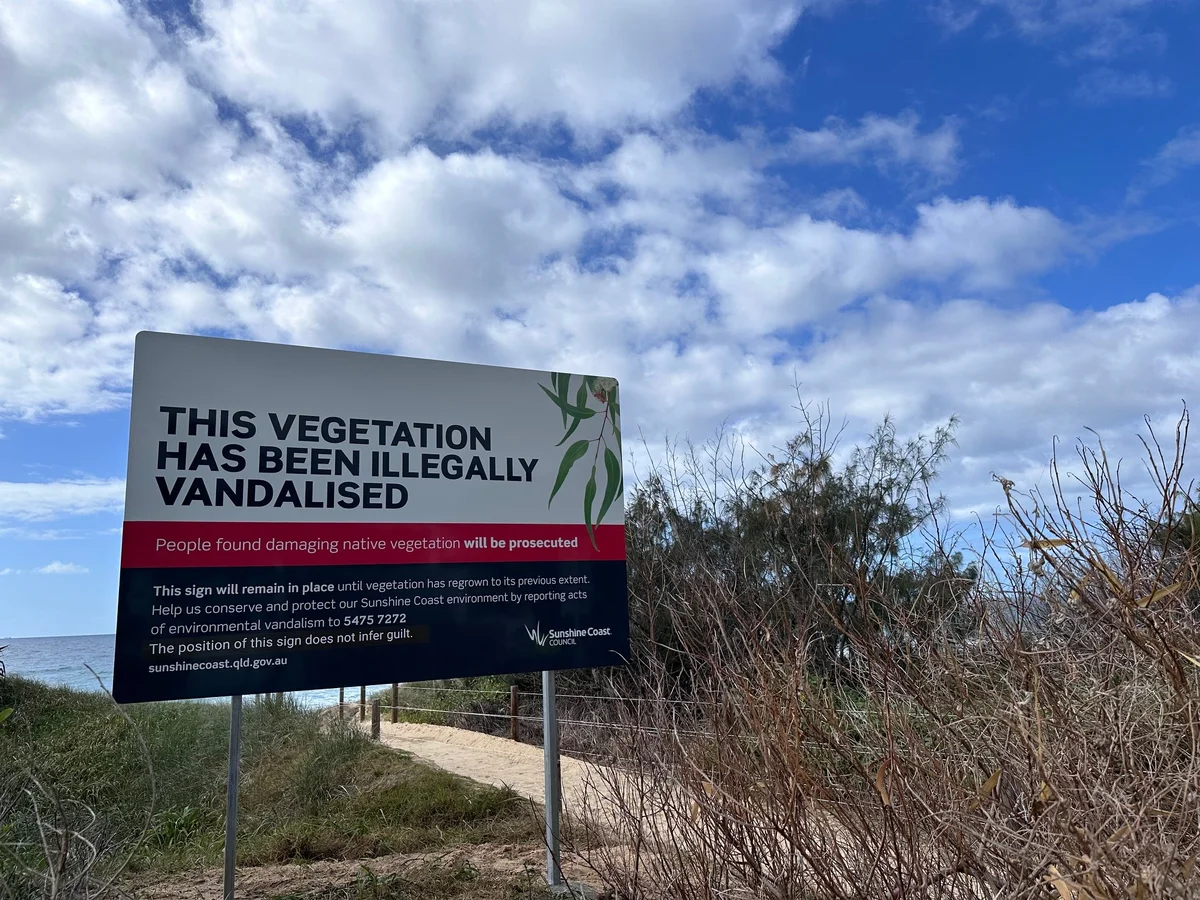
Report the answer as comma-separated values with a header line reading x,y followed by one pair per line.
x,y
538,719
517,699
499,692
516,718
614,698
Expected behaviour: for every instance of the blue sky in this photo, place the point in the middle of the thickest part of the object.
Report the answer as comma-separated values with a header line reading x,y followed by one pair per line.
x,y
982,208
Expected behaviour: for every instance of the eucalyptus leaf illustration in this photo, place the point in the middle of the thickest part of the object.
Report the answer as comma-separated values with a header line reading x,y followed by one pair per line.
x,y
589,497
570,431
563,385
579,412
580,403
574,453
612,483
591,389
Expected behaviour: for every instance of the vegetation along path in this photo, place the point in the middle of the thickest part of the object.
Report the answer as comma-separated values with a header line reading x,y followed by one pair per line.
x,y
489,759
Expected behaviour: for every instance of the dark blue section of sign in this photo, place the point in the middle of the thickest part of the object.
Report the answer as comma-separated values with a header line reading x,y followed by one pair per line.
x,y
552,616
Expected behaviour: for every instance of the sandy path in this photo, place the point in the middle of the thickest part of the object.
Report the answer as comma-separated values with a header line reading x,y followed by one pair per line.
x,y
488,759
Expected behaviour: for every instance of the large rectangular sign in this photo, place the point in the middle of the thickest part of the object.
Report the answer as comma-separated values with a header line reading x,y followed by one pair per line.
x,y
299,518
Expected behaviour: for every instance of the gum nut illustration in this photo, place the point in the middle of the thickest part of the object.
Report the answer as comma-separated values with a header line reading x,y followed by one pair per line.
x,y
604,385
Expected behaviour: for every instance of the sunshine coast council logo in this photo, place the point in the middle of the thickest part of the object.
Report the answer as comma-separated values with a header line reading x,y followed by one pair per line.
x,y
564,637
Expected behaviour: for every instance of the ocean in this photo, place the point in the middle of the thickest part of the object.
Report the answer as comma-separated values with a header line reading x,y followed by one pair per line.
x,y
65,660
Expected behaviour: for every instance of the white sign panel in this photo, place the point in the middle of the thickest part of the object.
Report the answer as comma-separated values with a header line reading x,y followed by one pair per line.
x,y
300,518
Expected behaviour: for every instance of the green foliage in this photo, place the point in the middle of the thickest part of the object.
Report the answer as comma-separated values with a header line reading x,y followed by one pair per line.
x,y
1181,533
589,497
606,392
392,805
807,540
4,713
575,412
613,481
311,788
177,827
435,702
574,453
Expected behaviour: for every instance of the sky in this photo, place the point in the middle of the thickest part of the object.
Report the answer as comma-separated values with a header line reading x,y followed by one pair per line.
x,y
981,208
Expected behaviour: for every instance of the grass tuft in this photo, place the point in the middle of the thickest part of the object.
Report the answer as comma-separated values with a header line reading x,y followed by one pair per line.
x,y
311,787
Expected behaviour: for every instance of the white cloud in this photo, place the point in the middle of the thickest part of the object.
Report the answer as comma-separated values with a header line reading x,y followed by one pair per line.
x,y
10,572
82,75
885,142
1096,29
51,354
38,501
95,126
1176,156
26,533
793,274
419,214
672,258
209,226
1181,151
1104,85
62,568
1017,378
403,69
665,179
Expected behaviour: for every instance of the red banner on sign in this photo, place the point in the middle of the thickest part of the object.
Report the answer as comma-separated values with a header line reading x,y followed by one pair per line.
x,y
155,545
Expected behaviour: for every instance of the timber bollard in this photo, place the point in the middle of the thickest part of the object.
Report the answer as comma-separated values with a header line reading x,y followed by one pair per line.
x,y
513,705
375,720
362,703
395,703
341,703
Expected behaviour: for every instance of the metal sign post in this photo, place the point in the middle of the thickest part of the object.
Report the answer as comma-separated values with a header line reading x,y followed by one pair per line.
x,y
554,876
231,792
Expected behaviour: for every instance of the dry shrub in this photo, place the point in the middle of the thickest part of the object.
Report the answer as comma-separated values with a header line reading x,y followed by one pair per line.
x,y
1030,732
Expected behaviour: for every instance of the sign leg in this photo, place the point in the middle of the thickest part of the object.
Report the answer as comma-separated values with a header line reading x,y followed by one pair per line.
x,y
553,782
231,794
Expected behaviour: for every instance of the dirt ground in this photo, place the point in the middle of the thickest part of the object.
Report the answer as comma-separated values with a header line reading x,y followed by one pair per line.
x,y
501,868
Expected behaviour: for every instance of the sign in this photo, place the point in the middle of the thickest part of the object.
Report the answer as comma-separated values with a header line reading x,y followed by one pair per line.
x,y
299,518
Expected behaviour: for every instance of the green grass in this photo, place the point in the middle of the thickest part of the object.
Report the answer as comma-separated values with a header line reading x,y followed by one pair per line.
x,y
482,694
310,788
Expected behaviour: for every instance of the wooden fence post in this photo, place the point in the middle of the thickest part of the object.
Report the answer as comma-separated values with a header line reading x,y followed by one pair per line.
x,y
375,719
341,703
362,703
513,706
395,703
